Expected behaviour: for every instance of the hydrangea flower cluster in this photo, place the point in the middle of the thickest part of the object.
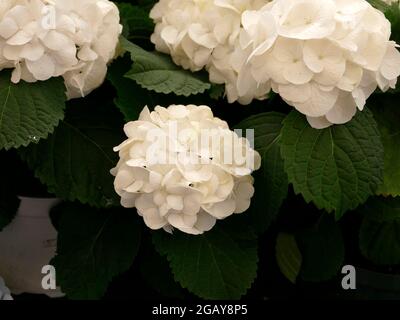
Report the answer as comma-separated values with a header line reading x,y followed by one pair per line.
x,y
324,57
183,168
191,30
75,39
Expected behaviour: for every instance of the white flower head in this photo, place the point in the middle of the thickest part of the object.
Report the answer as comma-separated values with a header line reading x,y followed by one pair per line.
x,y
190,30
304,19
182,168
42,39
324,57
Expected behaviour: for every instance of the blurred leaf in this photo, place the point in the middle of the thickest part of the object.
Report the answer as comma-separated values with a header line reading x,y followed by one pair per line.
x,y
288,256
157,273
93,247
387,115
322,249
217,91
380,231
135,19
131,98
376,286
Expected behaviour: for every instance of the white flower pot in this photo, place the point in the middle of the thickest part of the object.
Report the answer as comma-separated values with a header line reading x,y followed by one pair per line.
x,y
28,244
4,291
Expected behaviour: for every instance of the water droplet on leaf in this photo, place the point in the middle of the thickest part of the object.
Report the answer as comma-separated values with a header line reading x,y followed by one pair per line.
x,y
33,138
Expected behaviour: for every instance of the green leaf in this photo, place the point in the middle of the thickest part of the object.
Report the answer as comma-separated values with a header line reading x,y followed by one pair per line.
x,y
156,272
155,71
379,4
380,231
393,15
75,162
271,182
135,19
217,91
216,265
29,111
337,168
375,285
322,249
288,256
93,247
387,114
131,98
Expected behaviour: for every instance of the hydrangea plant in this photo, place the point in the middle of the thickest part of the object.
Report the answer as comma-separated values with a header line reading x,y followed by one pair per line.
x,y
199,145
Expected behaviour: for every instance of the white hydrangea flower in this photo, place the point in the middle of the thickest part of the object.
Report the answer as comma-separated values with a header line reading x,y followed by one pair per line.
x,y
4,291
324,57
304,19
342,68
75,39
183,168
190,30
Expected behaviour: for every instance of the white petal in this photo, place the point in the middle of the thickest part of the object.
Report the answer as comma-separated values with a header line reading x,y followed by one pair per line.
x,y
56,41
202,36
390,67
43,68
16,74
320,102
298,73
169,34
128,200
87,54
175,202
205,222
8,27
152,219
301,93
319,122
331,75
21,15
12,52
309,19
177,221
32,51
351,77
123,179
343,111
222,209
65,24
189,220
20,38
192,204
